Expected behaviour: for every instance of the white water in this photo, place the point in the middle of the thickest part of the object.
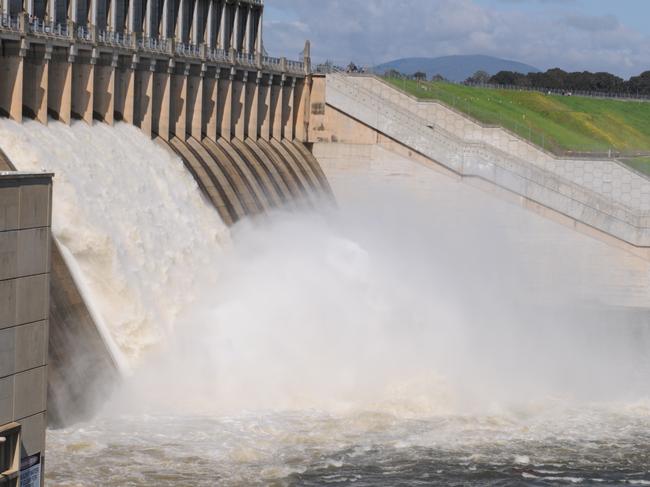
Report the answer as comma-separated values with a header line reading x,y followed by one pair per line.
x,y
362,339
131,218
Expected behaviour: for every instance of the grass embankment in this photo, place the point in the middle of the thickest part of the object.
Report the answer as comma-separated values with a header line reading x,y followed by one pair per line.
x,y
561,124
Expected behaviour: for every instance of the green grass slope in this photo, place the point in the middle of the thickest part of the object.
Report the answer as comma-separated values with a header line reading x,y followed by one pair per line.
x,y
561,124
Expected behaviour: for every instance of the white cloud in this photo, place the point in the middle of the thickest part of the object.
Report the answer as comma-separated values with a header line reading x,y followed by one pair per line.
x,y
373,31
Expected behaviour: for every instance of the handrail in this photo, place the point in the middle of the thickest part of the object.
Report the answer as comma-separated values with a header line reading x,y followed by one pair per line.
x,y
88,34
48,28
9,22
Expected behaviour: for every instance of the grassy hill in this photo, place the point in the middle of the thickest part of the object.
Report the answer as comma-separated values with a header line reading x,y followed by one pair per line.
x,y
564,125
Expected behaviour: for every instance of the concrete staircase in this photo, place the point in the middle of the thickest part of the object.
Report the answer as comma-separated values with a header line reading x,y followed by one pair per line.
x,y
603,195
605,176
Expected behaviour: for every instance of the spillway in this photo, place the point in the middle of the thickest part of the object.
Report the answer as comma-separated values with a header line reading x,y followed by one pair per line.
x,y
135,236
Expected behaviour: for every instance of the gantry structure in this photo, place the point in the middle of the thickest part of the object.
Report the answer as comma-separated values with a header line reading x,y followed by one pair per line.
x,y
226,25
212,30
171,67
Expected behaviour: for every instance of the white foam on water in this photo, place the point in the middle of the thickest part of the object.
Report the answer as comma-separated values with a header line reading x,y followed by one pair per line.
x,y
130,218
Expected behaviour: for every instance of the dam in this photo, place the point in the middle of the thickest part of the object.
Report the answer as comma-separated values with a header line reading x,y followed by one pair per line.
x,y
235,233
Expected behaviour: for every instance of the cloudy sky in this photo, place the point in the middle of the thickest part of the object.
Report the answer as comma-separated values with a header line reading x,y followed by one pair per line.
x,y
595,35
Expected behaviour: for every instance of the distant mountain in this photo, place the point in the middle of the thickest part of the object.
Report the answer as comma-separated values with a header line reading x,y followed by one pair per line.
x,y
454,68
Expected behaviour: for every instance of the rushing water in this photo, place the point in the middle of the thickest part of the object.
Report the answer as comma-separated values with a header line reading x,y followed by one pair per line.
x,y
392,342
546,447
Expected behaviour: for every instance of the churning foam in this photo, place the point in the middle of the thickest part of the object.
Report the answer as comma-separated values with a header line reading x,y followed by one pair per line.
x,y
134,228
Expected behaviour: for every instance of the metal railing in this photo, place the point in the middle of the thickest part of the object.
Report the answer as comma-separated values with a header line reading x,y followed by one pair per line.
x,y
116,39
86,34
40,27
217,55
9,22
245,59
153,45
295,66
466,106
562,91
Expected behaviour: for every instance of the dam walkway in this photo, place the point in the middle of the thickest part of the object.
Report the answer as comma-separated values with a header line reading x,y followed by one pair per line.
x,y
599,197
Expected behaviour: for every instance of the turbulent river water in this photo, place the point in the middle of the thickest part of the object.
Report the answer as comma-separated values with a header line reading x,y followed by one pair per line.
x,y
547,446
389,341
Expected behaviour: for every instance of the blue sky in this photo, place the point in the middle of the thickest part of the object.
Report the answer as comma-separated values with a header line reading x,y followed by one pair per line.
x,y
633,13
596,35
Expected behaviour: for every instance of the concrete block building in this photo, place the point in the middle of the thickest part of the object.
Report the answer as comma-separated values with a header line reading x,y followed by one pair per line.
x,y
25,209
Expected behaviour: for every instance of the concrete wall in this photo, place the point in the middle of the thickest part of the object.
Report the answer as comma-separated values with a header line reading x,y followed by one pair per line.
x,y
606,177
25,209
581,205
594,270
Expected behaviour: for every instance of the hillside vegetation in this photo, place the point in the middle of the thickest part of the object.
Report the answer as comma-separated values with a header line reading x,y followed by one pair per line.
x,y
453,68
564,125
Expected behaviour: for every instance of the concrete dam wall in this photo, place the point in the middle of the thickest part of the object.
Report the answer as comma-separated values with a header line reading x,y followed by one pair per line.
x,y
193,77
239,178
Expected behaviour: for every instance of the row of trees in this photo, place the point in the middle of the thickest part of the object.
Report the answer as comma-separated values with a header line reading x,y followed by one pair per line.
x,y
553,79
557,79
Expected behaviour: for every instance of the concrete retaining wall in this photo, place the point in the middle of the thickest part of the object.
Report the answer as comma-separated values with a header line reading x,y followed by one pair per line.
x,y
606,177
548,248
581,203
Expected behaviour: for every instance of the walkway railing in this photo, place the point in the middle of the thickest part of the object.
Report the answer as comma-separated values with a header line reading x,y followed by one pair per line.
x,y
487,162
84,34
217,55
115,39
9,22
40,27
153,45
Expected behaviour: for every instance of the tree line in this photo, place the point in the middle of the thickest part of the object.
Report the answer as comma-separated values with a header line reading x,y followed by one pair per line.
x,y
557,79
552,79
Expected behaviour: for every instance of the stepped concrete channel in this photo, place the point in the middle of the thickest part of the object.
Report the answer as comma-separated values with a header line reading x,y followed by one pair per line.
x,y
365,132
600,197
